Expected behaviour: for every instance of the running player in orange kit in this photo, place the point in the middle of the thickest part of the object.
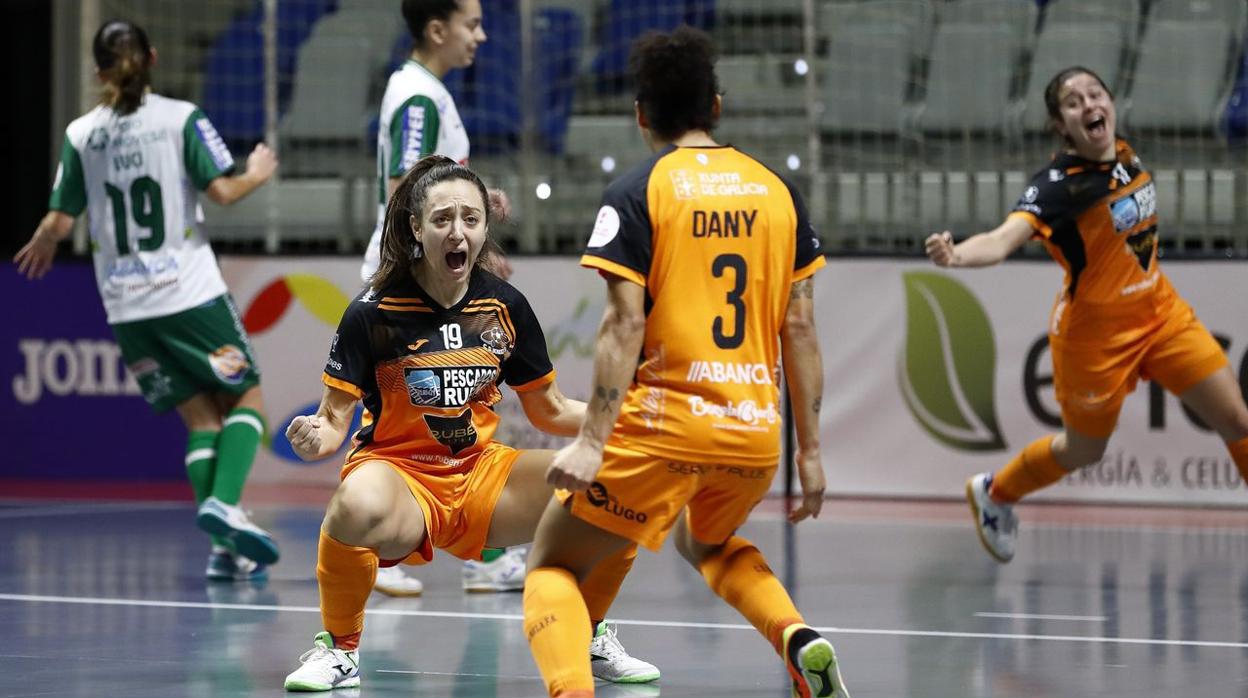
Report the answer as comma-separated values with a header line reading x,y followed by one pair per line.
x,y
1117,319
708,257
425,348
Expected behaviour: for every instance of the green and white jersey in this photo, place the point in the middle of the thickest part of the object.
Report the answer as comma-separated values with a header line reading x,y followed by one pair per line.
x,y
418,118
137,176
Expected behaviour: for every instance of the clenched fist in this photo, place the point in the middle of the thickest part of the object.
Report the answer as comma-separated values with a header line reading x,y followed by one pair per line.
x,y
939,248
304,435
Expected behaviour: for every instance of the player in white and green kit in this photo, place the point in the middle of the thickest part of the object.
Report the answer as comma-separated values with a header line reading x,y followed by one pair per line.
x,y
135,165
418,114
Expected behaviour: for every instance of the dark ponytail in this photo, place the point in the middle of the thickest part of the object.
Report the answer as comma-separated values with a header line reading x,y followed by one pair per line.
x,y
399,248
123,55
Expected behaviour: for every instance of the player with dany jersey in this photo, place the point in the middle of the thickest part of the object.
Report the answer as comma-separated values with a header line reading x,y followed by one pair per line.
x,y
135,165
708,257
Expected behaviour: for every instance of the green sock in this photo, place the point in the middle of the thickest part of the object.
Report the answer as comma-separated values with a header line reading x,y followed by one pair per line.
x,y
201,464
236,449
492,554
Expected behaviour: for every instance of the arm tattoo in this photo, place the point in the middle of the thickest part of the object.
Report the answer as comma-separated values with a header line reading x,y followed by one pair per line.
x,y
818,404
802,289
605,397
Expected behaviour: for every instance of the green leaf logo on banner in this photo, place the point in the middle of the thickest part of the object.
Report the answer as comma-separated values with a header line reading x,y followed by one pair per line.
x,y
947,369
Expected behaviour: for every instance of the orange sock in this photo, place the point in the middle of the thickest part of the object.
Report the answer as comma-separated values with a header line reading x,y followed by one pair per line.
x,y
1032,469
346,575
1239,454
555,622
740,575
603,584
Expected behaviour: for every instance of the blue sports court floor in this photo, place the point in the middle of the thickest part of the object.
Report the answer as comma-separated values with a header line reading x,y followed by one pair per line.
x,y
107,599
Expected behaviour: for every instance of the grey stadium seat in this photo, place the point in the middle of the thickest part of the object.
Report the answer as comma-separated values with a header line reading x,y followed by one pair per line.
x,y
973,67
867,78
753,8
1124,12
754,83
771,139
1020,14
379,29
592,138
986,40
330,98
1181,74
1230,12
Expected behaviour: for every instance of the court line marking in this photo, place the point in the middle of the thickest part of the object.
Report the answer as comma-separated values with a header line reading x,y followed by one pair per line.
x,y
829,517
1037,616
99,508
33,598
455,673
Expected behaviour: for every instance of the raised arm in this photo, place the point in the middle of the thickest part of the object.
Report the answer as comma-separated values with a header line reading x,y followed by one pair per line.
x,y
551,411
803,373
261,165
318,436
616,353
35,258
981,249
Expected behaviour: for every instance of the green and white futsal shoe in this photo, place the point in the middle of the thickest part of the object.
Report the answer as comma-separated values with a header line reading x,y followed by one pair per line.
x,y
611,662
230,522
325,667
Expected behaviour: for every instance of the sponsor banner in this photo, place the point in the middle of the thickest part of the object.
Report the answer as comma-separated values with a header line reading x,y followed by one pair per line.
x,y
930,375
945,373
73,411
290,308
70,408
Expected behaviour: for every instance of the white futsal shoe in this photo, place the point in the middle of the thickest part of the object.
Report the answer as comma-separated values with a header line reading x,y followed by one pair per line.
x,y
325,667
611,662
393,581
996,523
505,573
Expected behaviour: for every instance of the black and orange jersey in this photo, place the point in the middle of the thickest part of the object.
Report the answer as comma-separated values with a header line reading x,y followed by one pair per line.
x,y
717,240
1099,221
429,375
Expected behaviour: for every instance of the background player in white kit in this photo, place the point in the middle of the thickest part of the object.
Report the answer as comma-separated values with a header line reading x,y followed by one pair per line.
x,y
135,164
419,118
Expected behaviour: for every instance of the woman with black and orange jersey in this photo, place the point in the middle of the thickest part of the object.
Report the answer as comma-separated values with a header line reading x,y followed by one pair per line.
x,y
708,257
1117,318
425,348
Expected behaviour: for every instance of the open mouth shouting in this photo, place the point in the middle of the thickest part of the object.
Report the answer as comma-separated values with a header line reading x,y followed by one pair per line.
x,y
1097,127
457,261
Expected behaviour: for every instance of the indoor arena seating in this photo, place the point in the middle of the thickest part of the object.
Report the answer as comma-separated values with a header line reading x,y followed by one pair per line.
x,y
893,137
960,150
233,88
